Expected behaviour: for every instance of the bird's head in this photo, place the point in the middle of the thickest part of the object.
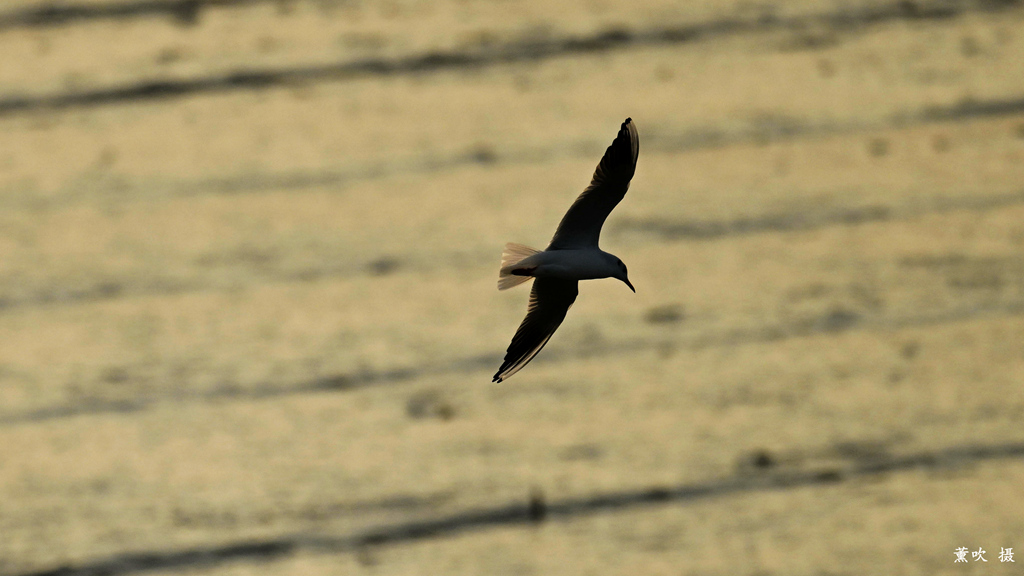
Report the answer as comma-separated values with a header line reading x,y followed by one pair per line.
x,y
623,274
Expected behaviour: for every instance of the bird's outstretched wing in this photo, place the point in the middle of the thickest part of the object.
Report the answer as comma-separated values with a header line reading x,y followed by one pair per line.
x,y
581,226
550,299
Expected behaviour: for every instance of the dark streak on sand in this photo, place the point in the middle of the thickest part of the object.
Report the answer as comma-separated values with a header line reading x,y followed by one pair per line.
x,y
835,322
524,514
664,229
763,130
51,14
812,219
188,12
522,50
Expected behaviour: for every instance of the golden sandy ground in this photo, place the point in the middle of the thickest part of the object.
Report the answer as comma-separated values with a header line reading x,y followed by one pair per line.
x,y
252,331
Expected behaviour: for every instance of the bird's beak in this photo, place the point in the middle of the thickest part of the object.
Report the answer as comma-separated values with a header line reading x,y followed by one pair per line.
x,y
626,280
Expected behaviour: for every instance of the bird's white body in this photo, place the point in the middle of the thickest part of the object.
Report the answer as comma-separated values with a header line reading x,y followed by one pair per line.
x,y
572,264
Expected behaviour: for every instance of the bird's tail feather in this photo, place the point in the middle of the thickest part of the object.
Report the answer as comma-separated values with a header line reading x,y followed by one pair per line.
x,y
510,257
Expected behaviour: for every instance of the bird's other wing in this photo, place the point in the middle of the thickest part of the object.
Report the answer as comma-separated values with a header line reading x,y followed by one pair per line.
x,y
581,225
550,299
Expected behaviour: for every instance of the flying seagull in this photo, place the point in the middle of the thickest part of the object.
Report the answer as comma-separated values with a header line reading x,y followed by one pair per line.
x,y
573,254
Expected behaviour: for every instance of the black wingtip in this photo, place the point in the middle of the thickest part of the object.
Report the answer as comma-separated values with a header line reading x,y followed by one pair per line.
x,y
628,120
496,378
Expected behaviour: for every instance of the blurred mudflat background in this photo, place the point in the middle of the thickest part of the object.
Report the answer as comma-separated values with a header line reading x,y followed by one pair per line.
x,y
248,305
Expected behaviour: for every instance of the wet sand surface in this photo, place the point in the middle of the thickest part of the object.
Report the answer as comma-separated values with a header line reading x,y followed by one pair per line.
x,y
248,256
